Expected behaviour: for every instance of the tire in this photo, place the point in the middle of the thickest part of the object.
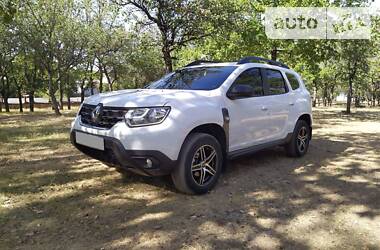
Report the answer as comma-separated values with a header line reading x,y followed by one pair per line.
x,y
295,148
197,149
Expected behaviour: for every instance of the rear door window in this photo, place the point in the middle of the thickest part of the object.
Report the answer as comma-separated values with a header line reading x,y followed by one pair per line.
x,y
293,81
275,84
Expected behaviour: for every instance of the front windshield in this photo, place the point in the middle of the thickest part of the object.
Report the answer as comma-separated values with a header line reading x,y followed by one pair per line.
x,y
199,78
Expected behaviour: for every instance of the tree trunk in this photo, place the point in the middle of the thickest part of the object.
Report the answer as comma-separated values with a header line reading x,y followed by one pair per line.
x,y
315,90
324,97
273,53
6,93
167,59
91,80
357,101
82,91
329,99
373,100
100,78
1,104
54,102
68,90
351,77
68,102
349,97
6,104
60,95
108,79
20,99
91,86
373,94
314,104
31,101
135,82
331,95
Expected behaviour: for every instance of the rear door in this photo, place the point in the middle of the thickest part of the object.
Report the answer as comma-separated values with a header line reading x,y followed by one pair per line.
x,y
279,101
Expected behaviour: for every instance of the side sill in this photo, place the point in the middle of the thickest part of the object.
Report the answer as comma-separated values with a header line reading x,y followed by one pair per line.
x,y
246,151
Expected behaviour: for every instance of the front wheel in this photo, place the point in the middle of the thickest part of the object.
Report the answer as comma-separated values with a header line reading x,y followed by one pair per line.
x,y
299,142
200,164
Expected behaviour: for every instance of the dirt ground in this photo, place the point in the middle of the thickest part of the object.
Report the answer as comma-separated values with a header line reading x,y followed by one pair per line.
x,y
53,197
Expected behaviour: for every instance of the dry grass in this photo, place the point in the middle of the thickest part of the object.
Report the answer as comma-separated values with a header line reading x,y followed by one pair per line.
x,y
53,197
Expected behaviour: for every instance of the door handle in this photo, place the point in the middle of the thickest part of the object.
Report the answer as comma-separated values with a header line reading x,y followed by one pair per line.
x,y
291,103
263,108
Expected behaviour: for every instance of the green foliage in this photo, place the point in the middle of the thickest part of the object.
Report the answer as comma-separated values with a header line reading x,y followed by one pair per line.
x,y
8,9
54,47
181,23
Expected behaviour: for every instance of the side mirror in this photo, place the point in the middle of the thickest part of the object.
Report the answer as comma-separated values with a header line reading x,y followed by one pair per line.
x,y
240,91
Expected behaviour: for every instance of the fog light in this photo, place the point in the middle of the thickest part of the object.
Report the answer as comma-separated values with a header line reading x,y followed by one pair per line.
x,y
149,163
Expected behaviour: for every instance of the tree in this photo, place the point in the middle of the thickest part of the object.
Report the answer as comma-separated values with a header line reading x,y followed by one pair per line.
x,y
16,76
178,22
374,80
109,55
55,46
54,33
8,51
31,74
354,57
139,62
329,75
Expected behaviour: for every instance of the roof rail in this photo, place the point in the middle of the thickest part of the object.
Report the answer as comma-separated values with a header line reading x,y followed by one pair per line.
x,y
249,59
199,62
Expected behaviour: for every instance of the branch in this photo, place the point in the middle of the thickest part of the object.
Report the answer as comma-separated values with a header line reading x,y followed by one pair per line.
x,y
144,9
190,39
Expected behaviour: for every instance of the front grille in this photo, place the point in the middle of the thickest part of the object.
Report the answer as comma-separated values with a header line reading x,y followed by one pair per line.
x,y
109,117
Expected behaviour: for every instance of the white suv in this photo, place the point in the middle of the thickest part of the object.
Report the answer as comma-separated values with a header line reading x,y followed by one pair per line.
x,y
191,121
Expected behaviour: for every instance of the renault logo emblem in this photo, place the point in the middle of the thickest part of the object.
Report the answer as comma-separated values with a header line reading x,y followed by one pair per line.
x,y
97,113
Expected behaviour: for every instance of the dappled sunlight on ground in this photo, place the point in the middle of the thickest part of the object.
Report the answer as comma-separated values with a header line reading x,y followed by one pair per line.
x,y
52,196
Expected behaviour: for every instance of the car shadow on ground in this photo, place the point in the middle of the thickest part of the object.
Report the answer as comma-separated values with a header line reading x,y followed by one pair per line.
x,y
259,202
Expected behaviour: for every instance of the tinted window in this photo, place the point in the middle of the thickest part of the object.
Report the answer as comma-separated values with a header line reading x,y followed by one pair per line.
x,y
199,78
276,84
251,77
293,81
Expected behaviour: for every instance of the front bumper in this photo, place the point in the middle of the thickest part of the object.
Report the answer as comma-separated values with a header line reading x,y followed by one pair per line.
x,y
134,160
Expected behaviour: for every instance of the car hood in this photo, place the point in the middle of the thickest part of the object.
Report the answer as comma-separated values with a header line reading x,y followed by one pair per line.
x,y
143,97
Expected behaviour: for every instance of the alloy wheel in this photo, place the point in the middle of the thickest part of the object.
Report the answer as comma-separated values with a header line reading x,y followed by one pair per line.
x,y
204,165
302,139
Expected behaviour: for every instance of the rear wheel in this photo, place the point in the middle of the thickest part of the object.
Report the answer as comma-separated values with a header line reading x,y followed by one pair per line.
x,y
299,142
200,164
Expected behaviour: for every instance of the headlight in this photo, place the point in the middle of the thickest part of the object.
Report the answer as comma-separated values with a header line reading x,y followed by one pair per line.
x,y
146,116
